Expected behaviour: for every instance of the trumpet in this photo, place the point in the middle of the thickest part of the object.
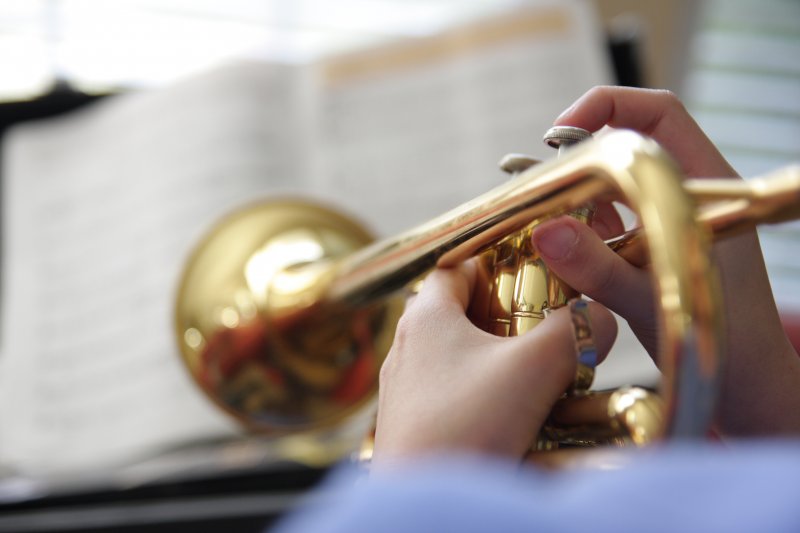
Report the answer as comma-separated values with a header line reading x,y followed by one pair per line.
x,y
286,309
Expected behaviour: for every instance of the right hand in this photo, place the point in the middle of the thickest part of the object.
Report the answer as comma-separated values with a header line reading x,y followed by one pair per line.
x,y
761,379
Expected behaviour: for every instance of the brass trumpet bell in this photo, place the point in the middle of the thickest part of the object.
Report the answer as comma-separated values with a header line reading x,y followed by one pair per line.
x,y
256,332
286,309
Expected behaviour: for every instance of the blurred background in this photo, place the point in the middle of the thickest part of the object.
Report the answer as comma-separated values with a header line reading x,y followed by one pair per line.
x,y
129,126
100,46
325,101
421,89
735,63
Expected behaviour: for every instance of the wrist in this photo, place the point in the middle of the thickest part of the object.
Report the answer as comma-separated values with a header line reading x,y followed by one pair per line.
x,y
758,396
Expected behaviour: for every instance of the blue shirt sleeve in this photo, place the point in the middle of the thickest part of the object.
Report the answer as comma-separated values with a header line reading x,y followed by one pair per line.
x,y
747,487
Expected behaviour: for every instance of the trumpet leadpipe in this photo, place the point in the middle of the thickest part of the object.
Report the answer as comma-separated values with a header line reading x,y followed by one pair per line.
x,y
727,207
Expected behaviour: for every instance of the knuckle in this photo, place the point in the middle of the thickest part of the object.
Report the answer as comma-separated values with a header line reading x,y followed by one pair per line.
x,y
599,90
402,332
411,319
416,320
670,100
384,374
412,338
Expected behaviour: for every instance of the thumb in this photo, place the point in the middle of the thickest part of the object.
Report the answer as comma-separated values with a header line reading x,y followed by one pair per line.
x,y
548,355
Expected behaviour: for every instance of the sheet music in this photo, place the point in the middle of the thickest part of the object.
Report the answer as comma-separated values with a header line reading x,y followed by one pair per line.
x,y
90,374
449,106
95,243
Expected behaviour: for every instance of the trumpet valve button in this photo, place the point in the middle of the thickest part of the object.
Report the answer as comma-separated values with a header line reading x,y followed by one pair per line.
x,y
563,136
514,163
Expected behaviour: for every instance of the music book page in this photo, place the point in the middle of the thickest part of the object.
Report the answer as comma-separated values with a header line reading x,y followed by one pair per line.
x,y
101,207
448,107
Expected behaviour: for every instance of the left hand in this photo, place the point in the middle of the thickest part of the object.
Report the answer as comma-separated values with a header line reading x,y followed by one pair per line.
x,y
447,385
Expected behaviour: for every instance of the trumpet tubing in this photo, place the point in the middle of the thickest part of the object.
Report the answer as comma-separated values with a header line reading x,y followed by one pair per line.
x,y
286,310
516,290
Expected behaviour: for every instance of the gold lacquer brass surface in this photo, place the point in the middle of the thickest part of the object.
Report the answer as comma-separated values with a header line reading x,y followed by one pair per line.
x,y
254,333
516,290
622,417
286,310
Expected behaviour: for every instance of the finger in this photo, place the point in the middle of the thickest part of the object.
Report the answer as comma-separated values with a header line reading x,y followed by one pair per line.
x,y
549,351
655,113
579,257
559,334
449,285
606,221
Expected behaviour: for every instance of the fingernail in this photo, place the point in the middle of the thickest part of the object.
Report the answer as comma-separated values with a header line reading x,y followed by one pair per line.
x,y
556,241
585,348
582,329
